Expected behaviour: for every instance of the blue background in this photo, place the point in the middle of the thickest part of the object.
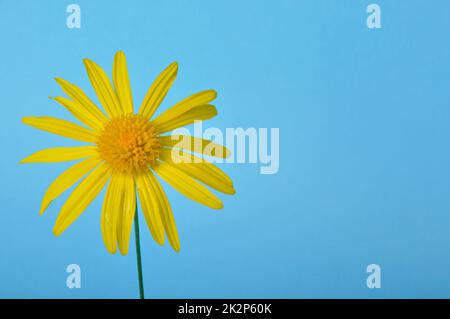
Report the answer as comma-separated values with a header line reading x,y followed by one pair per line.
x,y
364,150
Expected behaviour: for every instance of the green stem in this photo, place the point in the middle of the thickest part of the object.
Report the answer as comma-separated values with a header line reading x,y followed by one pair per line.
x,y
138,254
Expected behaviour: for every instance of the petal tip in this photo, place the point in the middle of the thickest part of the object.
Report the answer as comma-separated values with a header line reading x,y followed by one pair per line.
x,y
217,206
44,205
159,242
174,65
87,62
111,251
25,119
56,231
60,81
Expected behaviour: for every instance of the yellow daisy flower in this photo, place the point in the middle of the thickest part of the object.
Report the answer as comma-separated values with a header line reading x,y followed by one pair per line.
x,y
125,150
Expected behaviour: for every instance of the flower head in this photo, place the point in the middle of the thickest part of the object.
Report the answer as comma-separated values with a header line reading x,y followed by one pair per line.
x,y
125,149
129,144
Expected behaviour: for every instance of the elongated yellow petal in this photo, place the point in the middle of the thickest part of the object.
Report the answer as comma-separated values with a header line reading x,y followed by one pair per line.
x,y
110,214
195,100
199,169
81,197
186,185
122,82
79,112
166,211
195,144
158,91
60,154
119,200
150,207
202,112
61,127
68,178
84,102
126,197
103,88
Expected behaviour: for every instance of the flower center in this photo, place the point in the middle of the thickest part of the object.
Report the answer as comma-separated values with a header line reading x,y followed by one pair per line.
x,y
129,144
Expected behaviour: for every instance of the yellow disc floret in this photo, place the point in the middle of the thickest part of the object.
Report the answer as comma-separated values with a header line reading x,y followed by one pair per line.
x,y
129,144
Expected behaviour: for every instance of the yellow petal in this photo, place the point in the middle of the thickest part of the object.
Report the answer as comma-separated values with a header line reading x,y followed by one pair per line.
x,y
195,144
84,102
61,127
118,199
158,91
61,154
199,169
150,207
197,99
122,82
187,185
68,178
198,113
126,197
103,88
81,197
110,214
80,112
166,211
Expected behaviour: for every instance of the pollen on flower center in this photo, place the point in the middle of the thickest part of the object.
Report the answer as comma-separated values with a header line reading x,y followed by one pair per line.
x,y
129,144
